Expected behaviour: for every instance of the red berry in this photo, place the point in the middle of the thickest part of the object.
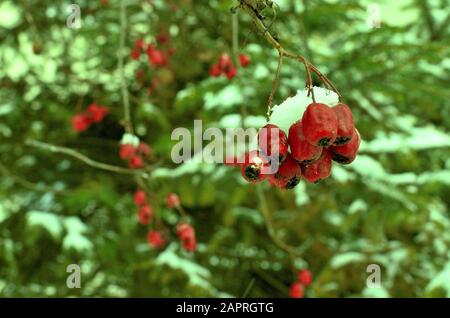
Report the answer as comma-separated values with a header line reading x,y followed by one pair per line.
x,y
215,70
185,232
96,112
347,153
190,245
172,200
162,38
273,141
288,175
225,62
251,169
155,57
127,151
155,239
136,162
318,170
80,123
231,73
319,124
139,44
140,197
301,149
144,149
145,214
296,291
346,125
305,277
135,54
244,60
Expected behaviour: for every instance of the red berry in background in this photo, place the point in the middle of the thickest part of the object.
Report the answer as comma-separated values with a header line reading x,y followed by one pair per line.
x,y
244,60
319,124
288,175
231,73
127,151
252,168
140,198
346,154
318,170
301,149
305,277
273,141
139,44
162,38
185,232
144,149
145,214
96,113
225,62
346,125
136,162
190,245
155,239
155,57
296,291
172,200
80,123
215,70
135,54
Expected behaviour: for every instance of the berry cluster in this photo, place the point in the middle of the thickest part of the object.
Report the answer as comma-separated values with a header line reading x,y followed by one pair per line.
x,y
297,289
225,66
159,238
93,114
135,155
324,134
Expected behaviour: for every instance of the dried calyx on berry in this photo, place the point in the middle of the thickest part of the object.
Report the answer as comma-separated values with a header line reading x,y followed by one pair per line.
x,y
318,170
346,154
252,168
288,175
346,125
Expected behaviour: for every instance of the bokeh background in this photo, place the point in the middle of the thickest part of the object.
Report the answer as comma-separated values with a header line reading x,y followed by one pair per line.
x,y
390,207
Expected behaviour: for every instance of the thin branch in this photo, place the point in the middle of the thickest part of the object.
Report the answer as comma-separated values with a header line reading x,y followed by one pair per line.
x,y
275,83
121,55
87,160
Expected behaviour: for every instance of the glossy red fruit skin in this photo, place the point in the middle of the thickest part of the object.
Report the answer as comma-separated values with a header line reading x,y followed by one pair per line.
x,y
272,140
252,167
305,277
346,154
346,125
301,149
319,124
318,170
296,290
288,175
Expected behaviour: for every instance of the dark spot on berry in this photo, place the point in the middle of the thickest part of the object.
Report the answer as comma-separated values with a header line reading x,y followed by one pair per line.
x,y
342,140
340,159
252,173
292,183
324,142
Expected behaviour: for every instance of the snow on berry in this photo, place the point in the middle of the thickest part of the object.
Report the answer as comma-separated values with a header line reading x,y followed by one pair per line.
x,y
318,170
155,239
305,277
319,124
252,168
296,290
346,125
301,149
346,154
288,175
172,200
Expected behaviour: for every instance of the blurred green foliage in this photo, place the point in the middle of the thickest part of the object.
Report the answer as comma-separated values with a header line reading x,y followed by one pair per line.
x,y
390,207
